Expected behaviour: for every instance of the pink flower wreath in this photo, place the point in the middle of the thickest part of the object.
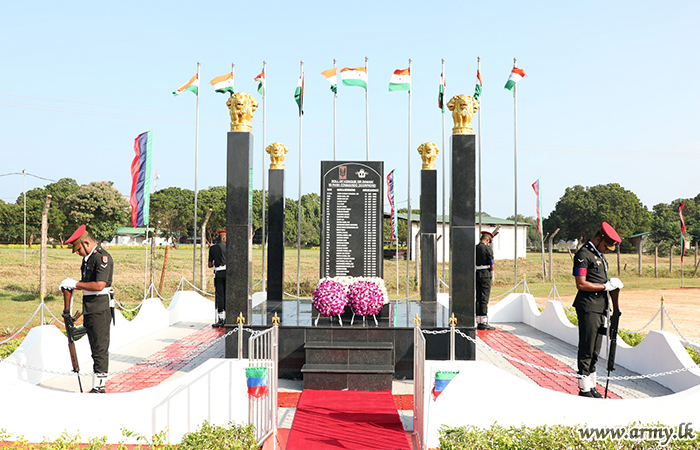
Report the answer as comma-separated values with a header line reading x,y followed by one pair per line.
x,y
329,297
365,298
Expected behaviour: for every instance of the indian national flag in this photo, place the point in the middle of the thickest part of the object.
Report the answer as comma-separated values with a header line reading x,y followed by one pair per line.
x,y
479,84
256,380
400,80
223,84
441,92
515,76
332,77
299,94
261,82
354,77
192,85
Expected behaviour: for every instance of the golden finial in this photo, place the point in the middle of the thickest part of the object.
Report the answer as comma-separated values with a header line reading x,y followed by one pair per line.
x,y
277,152
242,106
453,321
463,108
416,321
428,152
276,320
662,300
240,319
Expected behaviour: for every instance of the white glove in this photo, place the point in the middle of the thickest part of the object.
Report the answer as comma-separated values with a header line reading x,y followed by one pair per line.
x,y
617,283
613,284
68,284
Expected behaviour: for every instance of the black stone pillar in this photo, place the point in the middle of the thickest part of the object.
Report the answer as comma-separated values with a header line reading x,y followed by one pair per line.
x,y
428,248
463,234
239,202
275,235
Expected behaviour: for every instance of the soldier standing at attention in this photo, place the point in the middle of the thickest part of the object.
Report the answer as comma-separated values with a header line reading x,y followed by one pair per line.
x,y
96,281
484,276
591,303
217,260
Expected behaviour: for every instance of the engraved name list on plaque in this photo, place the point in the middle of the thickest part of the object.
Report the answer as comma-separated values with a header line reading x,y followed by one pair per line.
x,y
352,195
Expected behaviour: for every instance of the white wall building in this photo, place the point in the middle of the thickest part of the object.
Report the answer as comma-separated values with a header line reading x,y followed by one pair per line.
x,y
503,243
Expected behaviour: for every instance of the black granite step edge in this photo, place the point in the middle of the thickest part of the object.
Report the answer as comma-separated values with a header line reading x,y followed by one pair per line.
x,y
350,345
347,368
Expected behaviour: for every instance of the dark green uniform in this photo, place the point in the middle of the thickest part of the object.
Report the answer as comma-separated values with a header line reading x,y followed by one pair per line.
x,y
98,266
484,261
590,306
217,256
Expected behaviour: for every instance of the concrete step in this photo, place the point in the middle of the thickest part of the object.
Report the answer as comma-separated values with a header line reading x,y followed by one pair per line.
x,y
358,377
371,353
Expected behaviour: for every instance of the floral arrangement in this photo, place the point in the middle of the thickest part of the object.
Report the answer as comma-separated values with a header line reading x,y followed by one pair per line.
x,y
364,295
330,297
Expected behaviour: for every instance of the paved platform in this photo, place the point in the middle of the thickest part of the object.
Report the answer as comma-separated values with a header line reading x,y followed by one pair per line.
x,y
173,351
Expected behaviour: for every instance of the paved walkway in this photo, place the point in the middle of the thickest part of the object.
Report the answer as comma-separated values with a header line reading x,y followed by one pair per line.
x,y
180,348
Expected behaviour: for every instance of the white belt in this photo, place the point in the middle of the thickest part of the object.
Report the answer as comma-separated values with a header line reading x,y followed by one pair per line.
x,y
216,269
106,290
482,267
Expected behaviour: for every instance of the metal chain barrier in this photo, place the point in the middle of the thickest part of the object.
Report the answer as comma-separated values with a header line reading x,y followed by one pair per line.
x,y
559,372
195,287
682,338
645,326
23,326
137,368
513,289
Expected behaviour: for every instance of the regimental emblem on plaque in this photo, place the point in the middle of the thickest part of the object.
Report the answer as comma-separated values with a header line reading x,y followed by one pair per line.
x,y
343,172
361,174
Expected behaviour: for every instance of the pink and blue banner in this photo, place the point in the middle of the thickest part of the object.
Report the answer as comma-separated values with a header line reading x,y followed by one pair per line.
x,y
140,198
680,214
390,194
536,187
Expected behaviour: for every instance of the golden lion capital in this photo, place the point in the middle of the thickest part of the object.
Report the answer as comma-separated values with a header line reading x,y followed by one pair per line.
x,y
463,108
242,107
428,152
277,152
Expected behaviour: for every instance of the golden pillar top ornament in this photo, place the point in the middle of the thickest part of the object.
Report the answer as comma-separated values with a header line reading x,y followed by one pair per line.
x,y
463,108
428,152
242,106
277,151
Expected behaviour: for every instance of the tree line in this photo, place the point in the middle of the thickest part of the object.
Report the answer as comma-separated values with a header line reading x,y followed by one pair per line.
x,y
577,214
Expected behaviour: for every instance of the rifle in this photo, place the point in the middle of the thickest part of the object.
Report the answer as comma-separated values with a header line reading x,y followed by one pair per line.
x,y
612,339
72,332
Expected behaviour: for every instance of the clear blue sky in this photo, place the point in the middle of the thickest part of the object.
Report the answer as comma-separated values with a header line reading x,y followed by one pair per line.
x,y
610,94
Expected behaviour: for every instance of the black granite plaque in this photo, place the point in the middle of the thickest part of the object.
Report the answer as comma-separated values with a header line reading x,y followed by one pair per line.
x,y
352,194
462,229
239,213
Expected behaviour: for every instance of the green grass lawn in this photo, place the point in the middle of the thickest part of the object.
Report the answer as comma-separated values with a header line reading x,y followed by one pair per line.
x,y
19,282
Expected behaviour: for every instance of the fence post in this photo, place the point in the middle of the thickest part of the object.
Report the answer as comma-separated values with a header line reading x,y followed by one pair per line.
x,y
453,324
240,320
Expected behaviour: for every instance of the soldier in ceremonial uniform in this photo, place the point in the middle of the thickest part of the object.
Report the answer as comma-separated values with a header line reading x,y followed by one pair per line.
x,y
95,282
484,276
217,260
591,303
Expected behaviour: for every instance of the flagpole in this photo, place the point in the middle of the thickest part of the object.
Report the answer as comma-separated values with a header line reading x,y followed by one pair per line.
x,y
367,107
196,162
264,141
515,174
539,218
478,71
301,119
145,265
335,105
409,228
444,171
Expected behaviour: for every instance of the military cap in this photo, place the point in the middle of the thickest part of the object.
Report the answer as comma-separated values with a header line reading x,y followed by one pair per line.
x,y
610,236
77,238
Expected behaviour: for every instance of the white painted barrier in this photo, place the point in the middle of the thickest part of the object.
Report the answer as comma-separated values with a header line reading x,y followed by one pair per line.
x,y
659,352
481,395
215,391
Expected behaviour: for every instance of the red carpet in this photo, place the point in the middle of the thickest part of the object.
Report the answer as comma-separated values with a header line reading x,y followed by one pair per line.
x,y
359,420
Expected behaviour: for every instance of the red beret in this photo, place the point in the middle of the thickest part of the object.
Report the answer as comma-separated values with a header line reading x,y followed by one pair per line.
x,y
487,232
77,235
610,233
221,231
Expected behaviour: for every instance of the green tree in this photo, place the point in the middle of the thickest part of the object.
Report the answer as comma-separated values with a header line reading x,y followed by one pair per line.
x,y
174,208
215,198
100,207
580,211
666,224
533,235
311,219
